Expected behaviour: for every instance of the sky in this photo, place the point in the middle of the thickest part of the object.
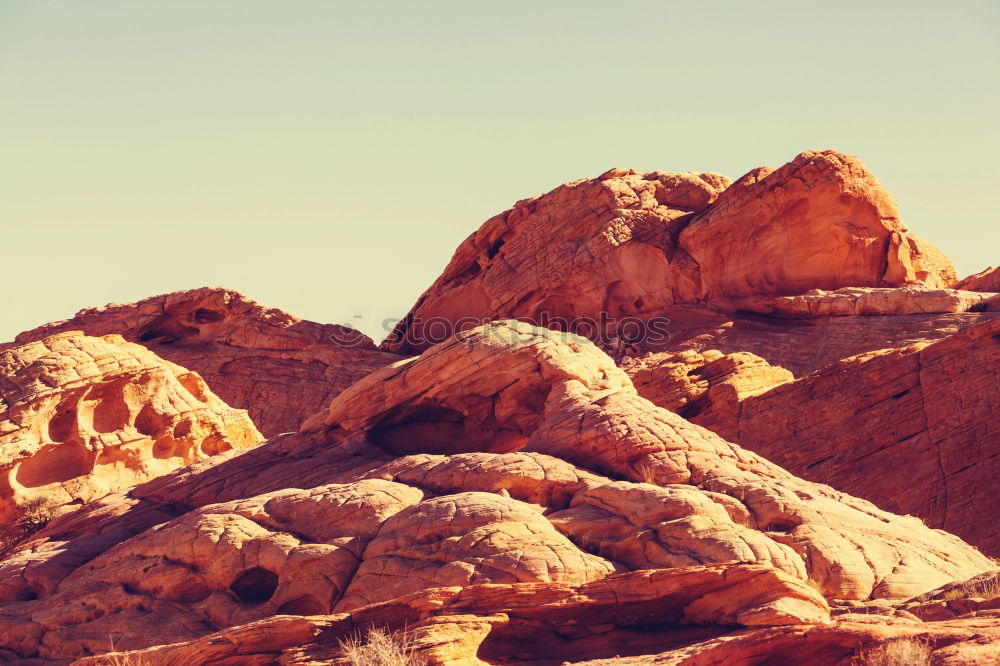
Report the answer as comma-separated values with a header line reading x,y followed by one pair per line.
x,y
326,157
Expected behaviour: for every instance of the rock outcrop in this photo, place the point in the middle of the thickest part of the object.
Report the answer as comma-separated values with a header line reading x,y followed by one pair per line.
x,y
821,221
987,280
704,388
279,368
650,491
514,468
593,255
928,409
81,417
803,344
526,620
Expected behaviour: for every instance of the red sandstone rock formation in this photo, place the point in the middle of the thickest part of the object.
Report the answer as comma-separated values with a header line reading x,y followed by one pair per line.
x,y
704,388
987,280
513,495
628,244
81,417
278,367
509,487
928,409
821,221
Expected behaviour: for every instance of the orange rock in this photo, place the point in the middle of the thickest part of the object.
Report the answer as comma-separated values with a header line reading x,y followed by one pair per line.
x,y
848,642
987,280
278,367
81,417
821,221
606,244
805,343
512,474
593,253
526,620
705,388
928,409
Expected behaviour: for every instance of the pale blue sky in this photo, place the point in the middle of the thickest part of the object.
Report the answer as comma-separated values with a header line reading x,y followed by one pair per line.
x,y
326,157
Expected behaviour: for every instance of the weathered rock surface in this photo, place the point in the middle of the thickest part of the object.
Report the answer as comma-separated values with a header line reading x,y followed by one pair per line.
x,y
821,221
511,456
593,252
987,280
851,641
81,417
804,344
280,368
928,409
513,495
527,620
704,388
865,301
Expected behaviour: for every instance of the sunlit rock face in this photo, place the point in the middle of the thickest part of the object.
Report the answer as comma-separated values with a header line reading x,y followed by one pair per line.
x,y
627,244
696,494
82,416
509,456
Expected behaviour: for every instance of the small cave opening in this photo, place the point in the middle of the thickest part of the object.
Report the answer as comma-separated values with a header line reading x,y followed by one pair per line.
x,y
166,330
255,586
203,316
435,429
690,410
494,249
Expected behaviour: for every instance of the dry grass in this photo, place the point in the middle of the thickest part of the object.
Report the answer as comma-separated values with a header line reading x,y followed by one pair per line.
x,y
987,589
380,648
899,652
648,474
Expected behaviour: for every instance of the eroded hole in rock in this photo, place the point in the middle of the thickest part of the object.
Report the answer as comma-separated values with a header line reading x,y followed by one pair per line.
x,y
690,411
203,316
107,407
150,422
194,385
494,249
783,526
255,586
432,429
304,605
978,307
166,330
63,424
56,463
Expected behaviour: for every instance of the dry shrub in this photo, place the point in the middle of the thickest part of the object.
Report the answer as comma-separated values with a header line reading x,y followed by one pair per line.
x,y
647,473
380,648
987,589
899,652
32,515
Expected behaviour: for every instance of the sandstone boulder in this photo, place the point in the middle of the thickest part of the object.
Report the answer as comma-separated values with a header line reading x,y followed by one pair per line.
x,y
821,221
525,620
594,254
276,366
